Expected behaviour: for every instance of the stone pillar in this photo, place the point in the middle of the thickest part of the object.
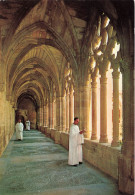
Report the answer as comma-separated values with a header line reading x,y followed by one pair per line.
x,y
115,141
52,119
85,107
94,108
46,113
71,107
103,108
64,113
54,113
67,110
126,160
50,113
76,103
58,102
40,116
81,107
1,64
42,111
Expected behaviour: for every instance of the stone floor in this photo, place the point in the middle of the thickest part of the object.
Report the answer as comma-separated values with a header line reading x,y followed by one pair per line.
x,y
38,166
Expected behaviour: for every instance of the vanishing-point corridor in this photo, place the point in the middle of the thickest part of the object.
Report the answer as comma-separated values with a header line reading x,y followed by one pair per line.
x,y
61,59
38,166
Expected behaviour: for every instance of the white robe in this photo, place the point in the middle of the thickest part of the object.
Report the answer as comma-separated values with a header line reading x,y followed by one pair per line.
x,y
19,131
28,125
75,145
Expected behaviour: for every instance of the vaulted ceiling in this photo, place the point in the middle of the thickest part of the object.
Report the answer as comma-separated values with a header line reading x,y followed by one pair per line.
x,y
40,38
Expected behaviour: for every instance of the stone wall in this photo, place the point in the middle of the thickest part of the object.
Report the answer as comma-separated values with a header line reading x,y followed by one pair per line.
x,y
7,122
102,156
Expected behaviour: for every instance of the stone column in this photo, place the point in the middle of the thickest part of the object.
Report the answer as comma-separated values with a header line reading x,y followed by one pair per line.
x,y
81,107
94,108
50,113
54,113
40,116
76,103
85,102
58,102
115,141
52,123
126,160
42,109
1,64
46,113
64,113
71,107
103,108
67,110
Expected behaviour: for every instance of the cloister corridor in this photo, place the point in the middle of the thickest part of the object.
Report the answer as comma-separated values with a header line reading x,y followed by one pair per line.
x,y
37,165
61,59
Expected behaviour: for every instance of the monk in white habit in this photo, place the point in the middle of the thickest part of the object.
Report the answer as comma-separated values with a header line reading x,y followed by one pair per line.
x,y
19,130
28,125
76,139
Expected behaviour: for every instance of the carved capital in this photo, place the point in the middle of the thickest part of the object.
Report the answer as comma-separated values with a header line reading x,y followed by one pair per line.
x,y
67,91
103,79
116,74
94,82
95,73
103,67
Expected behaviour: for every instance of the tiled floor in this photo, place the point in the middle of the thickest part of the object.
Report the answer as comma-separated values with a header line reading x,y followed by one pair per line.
x,y
38,166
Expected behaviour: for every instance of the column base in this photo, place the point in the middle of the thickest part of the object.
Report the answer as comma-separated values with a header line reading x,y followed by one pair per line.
x,y
103,140
67,129
86,135
93,137
115,144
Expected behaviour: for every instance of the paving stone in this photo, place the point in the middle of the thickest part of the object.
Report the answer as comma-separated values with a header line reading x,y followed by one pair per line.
x,y
37,165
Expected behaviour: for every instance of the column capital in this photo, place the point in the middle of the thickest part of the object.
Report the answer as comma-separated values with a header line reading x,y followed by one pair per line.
x,y
94,78
67,91
116,74
95,73
103,78
84,87
94,82
103,66
71,89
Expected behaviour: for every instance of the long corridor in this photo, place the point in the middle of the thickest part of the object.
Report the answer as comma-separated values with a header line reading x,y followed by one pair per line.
x,y
38,166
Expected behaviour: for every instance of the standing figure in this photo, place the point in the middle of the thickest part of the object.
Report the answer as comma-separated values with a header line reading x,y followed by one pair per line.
x,y
27,125
76,140
19,130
